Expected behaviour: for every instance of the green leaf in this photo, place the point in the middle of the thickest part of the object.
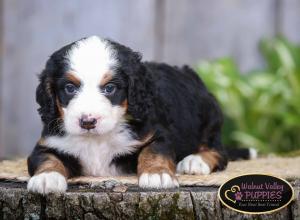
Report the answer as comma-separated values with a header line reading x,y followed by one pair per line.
x,y
262,107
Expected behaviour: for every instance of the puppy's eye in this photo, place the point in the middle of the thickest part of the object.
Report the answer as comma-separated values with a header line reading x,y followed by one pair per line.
x,y
109,89
70,89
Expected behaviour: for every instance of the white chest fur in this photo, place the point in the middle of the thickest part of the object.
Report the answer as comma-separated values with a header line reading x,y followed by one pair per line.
x,y
96,152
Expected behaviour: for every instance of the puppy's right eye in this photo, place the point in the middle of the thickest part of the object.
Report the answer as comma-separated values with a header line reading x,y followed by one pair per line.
x,y
70,89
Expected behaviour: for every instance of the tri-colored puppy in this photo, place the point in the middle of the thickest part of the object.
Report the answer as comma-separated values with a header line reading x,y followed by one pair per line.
x,y
107,113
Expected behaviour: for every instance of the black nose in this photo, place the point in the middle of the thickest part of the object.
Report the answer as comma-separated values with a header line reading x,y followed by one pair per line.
x,y
88,123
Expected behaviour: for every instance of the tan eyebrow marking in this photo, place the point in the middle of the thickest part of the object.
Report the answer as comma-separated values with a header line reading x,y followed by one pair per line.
x,y
73,79
106,78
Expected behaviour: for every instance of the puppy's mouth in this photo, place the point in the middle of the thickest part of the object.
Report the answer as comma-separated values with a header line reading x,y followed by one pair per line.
x,y
89,132
87,127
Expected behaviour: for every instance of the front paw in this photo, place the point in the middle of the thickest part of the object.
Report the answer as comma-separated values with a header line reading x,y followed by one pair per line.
x,y
193,164
47,182
157,180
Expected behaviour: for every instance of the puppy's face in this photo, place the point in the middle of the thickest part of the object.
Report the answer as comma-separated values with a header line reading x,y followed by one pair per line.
x,y
90,94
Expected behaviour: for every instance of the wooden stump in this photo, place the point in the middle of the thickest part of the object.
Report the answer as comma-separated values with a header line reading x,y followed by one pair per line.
x,y
113,201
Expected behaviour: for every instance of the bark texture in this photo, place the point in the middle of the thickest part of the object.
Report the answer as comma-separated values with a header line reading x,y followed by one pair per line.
x,y
119,202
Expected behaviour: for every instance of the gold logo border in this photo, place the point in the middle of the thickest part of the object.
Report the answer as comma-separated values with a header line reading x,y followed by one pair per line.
x,y
257,213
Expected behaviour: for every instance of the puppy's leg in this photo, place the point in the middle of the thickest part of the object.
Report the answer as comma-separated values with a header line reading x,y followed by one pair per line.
x,y
48,173
204,162
156,170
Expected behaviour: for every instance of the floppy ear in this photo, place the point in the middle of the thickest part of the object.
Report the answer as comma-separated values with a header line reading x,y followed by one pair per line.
x,y
139,82
45,97
140,93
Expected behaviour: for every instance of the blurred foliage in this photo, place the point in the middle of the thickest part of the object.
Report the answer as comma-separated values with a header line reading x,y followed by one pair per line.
x,y
261,108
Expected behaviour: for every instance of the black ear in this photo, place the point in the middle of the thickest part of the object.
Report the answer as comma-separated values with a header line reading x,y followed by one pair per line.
x,y
140,93
45,97
139,82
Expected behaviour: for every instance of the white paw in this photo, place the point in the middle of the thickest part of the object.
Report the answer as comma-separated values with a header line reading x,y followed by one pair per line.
x,y
193,164
45,183
252,153
158,181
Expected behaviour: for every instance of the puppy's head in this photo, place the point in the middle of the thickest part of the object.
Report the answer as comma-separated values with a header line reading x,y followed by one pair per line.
x,y
87,87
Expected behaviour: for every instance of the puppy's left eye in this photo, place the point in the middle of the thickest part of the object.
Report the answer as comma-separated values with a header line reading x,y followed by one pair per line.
x,y
70,89
110,89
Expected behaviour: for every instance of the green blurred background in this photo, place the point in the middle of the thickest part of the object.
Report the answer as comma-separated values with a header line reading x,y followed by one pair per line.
x,y
261,107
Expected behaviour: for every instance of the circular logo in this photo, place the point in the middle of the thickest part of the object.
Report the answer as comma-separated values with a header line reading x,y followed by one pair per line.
x,y
256,193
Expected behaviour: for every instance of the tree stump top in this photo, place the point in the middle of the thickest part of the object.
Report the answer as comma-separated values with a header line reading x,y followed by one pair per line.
x,y
120,198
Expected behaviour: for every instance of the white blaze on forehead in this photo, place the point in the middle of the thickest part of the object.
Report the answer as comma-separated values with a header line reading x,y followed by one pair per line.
x,y
90,59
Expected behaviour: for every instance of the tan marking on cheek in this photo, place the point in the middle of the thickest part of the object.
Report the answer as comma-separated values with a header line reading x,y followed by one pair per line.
x,y
125,104
41,141
59,107
106,78
211,157
150,162
73,79
203,147
52,164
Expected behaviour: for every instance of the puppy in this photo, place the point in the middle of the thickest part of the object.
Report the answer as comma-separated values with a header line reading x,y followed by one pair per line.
x,y
107,113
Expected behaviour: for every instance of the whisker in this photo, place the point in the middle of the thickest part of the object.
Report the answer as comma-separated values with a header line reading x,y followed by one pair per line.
x,y
56,125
